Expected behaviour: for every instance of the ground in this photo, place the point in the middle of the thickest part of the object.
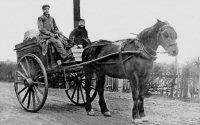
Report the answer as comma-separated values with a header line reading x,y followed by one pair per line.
x,y
58,110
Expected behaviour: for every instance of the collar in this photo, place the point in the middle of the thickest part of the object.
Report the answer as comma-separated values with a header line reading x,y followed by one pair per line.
x,y
145,52
46,15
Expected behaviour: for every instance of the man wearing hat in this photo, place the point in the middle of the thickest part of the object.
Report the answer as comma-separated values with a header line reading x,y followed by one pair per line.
x,y
49,31
80,35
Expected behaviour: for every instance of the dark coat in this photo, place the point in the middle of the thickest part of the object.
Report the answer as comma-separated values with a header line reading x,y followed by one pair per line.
x,y
78,34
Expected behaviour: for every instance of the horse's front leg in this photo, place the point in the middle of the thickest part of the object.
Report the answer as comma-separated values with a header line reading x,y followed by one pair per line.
x,y
141,108
135,95
142,89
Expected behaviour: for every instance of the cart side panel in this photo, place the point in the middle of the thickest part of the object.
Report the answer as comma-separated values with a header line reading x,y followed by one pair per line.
x,y
32,47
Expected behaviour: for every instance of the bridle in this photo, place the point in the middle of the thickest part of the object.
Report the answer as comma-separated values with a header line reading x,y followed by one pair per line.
x,y
161,30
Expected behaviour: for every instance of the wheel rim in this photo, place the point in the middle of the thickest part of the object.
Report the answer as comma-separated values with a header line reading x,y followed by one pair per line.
x,y
31,85
75,89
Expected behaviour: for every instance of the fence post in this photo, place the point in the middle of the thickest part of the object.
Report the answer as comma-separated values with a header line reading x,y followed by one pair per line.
x,y
111,84
185,88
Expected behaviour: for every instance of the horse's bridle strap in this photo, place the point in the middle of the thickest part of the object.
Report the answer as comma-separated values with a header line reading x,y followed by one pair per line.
x,y
121,60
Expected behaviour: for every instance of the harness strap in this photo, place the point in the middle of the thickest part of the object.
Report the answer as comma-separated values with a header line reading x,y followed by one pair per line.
x,y
110,63
121,60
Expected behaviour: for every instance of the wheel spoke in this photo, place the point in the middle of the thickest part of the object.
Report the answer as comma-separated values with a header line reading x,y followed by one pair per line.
x,y
78,93
28,67
70,86
21,74
33,96
40,91
39,83
37,76
83,86
25,96
73,92
37,97
22,90
82,94
24,69
29,98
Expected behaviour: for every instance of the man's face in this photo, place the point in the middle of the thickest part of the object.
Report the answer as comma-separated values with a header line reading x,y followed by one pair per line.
x,y
81,23
46,10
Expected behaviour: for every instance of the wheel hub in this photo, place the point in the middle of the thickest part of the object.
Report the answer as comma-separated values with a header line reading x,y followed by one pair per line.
x,y
79,78
29,81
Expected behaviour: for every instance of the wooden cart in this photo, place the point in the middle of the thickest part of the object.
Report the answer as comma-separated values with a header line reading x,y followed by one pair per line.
x,y
35,73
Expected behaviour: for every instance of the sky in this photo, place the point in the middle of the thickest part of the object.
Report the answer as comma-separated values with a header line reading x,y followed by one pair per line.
x,y
105,19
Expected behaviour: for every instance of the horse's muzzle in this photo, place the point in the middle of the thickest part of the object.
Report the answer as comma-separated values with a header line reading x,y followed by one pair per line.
x,y
173,50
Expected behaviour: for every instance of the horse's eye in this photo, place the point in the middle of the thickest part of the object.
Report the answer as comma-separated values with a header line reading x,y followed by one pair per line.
x,y
166,35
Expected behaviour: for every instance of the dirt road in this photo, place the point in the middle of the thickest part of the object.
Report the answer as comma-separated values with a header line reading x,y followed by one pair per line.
x,y
58,110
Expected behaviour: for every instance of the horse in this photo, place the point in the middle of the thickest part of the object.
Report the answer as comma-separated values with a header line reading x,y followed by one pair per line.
x,y
133,61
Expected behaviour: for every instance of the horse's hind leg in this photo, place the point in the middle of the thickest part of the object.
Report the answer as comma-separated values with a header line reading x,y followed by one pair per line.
x,y
100,89
88,106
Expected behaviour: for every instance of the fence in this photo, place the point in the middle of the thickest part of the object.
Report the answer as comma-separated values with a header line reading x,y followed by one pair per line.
x,y
111,84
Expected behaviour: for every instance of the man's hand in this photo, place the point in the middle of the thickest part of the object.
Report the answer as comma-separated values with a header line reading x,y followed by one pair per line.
x,y
56,35
52,35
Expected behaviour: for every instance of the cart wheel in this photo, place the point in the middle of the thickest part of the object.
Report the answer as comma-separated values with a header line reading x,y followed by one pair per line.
x,y
75,89
31,84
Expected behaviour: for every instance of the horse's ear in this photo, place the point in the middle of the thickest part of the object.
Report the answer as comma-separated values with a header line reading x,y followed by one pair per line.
x,y
159,20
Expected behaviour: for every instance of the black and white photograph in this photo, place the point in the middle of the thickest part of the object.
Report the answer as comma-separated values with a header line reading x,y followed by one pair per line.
x,y
100,62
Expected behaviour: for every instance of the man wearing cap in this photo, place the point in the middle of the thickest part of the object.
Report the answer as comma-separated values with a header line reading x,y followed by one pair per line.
x,y
49,31
80,35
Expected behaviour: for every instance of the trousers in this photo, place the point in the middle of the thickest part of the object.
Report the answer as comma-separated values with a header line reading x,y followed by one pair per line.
x,y
60,47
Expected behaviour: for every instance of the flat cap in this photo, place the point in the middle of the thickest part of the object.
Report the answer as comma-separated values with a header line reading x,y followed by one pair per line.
x,y
46,5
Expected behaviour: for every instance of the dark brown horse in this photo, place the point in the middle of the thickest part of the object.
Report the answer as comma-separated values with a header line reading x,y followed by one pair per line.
x,y
134,62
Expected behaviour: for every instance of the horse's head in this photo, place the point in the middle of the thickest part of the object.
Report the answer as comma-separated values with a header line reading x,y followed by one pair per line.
x,y
166,37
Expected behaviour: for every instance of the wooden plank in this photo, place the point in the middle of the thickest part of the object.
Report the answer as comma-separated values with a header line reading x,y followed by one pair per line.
x,y
77,54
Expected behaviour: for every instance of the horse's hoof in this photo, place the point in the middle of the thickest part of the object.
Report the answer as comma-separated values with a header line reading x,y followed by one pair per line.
x,y
90,113
107,114
137,121
145,119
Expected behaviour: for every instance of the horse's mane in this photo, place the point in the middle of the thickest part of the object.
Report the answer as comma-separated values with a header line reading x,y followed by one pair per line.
x,y
128,42
145,35
150,32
